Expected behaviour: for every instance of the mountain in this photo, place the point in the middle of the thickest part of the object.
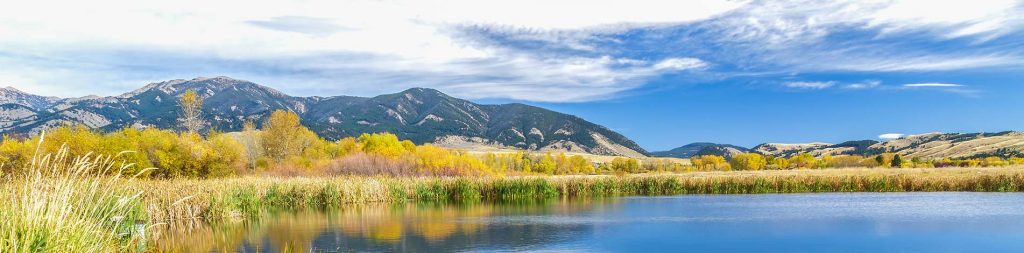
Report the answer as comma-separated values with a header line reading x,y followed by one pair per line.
x,y
925,146
954,145
419,114
702,148
787,149
817,148
10,95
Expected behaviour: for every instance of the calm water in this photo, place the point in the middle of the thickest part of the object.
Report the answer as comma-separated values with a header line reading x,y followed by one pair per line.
x,y
849,222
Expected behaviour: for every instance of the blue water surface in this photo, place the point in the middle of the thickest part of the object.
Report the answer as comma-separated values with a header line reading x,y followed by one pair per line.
x,y
820,222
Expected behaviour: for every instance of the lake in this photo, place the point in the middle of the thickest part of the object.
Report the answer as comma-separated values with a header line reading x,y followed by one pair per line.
x,y
832,222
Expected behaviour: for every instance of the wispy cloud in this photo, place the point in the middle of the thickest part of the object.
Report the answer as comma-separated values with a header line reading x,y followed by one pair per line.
x,y
878,36
959,89
914,85
303,25
877,85
868,84
809,85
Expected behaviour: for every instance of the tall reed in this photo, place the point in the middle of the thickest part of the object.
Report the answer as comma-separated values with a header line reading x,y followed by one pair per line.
x,y
68,204
238,197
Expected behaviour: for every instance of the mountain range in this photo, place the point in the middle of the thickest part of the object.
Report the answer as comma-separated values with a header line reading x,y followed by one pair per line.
x,y
418,114
427,116
925,146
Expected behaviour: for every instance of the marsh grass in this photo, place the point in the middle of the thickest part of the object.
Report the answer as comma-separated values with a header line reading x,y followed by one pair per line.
x,y
243,197
65,204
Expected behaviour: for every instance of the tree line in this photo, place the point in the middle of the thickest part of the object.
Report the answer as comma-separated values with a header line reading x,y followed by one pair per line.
x,y
283,146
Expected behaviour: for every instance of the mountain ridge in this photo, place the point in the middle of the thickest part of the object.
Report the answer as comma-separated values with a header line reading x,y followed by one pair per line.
x,y
933,145
702,148
422,115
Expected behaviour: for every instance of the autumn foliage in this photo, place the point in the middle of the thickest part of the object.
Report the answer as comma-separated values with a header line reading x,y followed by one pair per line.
x,y
283,146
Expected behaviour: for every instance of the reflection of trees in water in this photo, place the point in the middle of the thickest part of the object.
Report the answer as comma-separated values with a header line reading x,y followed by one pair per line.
x,y
427,227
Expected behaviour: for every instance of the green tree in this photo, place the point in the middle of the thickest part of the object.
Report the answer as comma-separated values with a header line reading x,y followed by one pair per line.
x,y
897,161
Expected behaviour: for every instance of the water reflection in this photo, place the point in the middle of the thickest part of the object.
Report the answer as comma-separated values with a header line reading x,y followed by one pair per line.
x,y
834,222
416,227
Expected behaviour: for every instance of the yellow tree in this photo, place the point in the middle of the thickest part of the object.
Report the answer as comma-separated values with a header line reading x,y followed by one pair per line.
x,y
580,164
885,159
845,161
546,164
191,111
778,163
620,164
250,141
710,162
385,144
804,161
748,161
283,135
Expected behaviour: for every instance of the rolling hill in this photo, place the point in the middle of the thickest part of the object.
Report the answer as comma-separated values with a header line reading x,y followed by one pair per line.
x,y
702,148
925,146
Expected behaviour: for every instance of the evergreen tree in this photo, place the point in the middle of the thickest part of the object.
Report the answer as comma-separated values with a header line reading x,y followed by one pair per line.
x,y
897,161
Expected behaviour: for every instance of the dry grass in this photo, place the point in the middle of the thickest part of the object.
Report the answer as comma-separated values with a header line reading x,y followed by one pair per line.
x,y
236,197
64,204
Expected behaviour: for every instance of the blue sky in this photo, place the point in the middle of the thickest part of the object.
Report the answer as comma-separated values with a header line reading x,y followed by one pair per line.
x,y
664,73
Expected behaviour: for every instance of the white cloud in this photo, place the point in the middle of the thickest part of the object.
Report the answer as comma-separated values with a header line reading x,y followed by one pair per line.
x,y
961,18
927,63
366,47
815,35
891,136
810,85
563,80
944,85
380,38
864,85
679,64
778,22
958,89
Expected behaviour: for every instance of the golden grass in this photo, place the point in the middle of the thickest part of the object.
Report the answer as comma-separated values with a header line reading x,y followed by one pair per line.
x,y
68,205
238,197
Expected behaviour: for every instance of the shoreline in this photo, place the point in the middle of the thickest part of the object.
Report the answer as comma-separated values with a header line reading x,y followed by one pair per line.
x,y
213,199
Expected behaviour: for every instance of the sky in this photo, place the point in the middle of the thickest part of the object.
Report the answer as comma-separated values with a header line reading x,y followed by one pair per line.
x,y
663,73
